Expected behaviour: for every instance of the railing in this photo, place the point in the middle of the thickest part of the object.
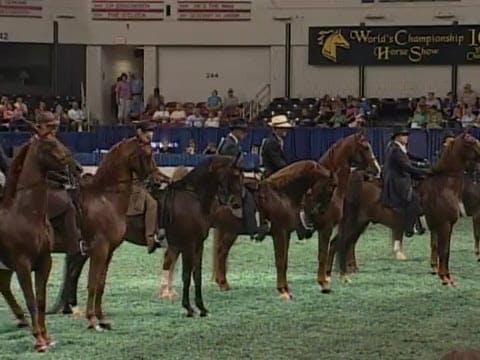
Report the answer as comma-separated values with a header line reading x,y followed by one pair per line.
x,y
261,99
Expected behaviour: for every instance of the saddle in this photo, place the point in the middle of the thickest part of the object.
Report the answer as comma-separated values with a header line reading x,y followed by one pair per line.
x,y
137,201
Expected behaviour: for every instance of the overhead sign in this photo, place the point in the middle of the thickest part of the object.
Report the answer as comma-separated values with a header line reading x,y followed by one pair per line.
x,y
393,45
127,10
213,10
21,8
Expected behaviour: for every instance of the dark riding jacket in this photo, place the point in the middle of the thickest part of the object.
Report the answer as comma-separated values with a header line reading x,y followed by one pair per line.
x,y
398,172
273,156
230,146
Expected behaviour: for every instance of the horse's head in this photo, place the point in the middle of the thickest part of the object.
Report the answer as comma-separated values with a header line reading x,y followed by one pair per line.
x,y
53,156
339,40
230,180
467,147
140,157
318,197
362,154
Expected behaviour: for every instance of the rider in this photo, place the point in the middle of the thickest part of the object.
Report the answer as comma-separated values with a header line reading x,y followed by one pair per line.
x,y
272,153
4,165
142,202
230,146
398,171
59,200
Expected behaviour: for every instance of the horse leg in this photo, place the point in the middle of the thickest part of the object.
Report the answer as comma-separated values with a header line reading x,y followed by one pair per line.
x,y
98,262
197,278
397,243
331,254
476,233
166,290
187,267
6,291
41,279
444,233
347,261
104,324
434,252
223,242
25,280
351,259
281,244
323,244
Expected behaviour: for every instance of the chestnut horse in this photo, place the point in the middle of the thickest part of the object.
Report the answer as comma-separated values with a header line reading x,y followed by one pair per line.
x,y
25,233
440,195
471,202
279,198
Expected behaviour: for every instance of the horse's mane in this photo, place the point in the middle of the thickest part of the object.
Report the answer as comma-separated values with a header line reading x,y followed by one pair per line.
x,y
327,157
445,157
291,173
196,177
14,172
109,164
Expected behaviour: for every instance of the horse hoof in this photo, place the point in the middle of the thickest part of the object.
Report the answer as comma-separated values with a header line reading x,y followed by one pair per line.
x,y
224,287
77,313
105,325
172,294
41,348
190,314
285,296
345,279
203,313
95,327
399,255
326,290
22,323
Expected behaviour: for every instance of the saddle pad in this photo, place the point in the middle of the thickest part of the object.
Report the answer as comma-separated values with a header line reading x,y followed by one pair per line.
x,y
3,267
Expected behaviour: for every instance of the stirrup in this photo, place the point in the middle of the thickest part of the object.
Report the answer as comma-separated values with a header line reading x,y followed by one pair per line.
x,y
303,219
83,247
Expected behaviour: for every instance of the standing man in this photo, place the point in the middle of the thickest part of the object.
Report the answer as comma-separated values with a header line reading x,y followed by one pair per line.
x,y
272,153
398,172
136,88
124,99
230,146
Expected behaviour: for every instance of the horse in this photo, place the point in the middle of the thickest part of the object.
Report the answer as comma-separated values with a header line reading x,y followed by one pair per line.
x,y
471,202
279,199
194,192
440,194
25,233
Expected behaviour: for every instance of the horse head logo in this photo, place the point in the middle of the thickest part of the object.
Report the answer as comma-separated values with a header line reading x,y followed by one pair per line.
x,y
329,41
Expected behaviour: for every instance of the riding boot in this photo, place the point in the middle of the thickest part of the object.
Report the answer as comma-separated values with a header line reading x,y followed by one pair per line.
x,y
412,212
152,236
75,243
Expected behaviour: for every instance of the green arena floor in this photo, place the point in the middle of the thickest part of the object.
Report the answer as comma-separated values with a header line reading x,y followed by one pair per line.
x,y
391,310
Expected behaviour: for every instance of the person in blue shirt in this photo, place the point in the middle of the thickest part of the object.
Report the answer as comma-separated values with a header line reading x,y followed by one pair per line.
x,y
136,88
214,102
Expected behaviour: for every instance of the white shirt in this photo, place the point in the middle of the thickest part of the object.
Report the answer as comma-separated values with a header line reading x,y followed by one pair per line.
x,y
76,115
401,146
159,114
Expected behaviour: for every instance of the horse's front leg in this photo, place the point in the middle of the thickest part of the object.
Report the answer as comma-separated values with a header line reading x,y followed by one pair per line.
x,y
104,324
41,278
6,291
433,252
166,290
223,242
323,250
98,261
187,268
281,242
197,278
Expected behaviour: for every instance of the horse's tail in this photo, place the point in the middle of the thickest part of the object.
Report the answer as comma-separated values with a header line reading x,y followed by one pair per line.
x,y
351,211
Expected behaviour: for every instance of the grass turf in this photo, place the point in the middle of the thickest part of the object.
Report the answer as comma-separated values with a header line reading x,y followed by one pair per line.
x,y
392,309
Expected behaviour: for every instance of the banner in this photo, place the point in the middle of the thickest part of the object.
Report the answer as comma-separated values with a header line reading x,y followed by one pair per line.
x,y
214,10
389,45
21,8
127,10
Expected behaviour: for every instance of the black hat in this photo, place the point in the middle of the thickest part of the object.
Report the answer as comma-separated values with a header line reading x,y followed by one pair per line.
x,y
144,125
238,123
399,130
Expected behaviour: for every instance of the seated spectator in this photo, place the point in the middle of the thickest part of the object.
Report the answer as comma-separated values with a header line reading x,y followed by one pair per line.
x,y
191,147
155,100
231,100
21,106
42,107
211,149
161,115
432,102
212,120
3,103
338,119
76,117
8,113
469,97
357,122
353,109
214,102
61,116
365,108
449,105
420,114
195,119
167,147
178,116
468,117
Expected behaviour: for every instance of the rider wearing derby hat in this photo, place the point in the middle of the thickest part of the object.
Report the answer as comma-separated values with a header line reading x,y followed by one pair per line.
x,y
141,202
398,171
272,153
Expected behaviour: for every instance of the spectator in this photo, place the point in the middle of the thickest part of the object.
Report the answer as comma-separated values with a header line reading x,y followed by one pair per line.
x,y
432,102
21,106
42,107
76,116
449,105
338,119
468,118
212,120
161,115
178,116
191,147
195,119
357,122
353,109
420,114
61,116
211,149
469,97
231,101
8,113
214,102
155,100
113,97
124,99
136,89
365,108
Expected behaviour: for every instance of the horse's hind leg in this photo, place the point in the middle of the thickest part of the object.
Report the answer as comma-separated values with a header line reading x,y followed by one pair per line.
x,y
98,262
476,233
222,244
166,290
41,279
197,278
433,252
104,324
444,234
331,254
323,251
187,267
5,290
25,280
281,244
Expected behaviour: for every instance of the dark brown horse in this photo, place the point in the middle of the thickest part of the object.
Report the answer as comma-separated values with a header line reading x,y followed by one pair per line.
x,y
338,159
25,233
439,194
471,202
279,199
